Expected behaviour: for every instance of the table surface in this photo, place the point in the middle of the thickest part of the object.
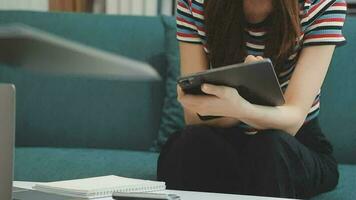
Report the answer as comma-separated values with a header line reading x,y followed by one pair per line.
x,y
184,195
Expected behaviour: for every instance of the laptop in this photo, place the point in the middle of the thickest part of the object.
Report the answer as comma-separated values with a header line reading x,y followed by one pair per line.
x,y
7,139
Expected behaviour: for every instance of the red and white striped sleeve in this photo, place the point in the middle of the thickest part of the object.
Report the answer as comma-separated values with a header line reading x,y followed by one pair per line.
x,y
187,30
323,23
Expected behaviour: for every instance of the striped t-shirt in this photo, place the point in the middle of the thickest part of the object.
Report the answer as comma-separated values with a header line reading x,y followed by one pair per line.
x,y
321,23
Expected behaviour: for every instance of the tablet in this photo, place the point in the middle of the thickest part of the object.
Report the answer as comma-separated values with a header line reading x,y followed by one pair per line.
x,y
256,82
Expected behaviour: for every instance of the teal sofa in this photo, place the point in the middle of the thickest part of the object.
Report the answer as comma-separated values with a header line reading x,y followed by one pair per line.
x,y
75,127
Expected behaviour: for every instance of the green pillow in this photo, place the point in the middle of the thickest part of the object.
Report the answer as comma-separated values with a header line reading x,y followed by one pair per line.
x,y
172,118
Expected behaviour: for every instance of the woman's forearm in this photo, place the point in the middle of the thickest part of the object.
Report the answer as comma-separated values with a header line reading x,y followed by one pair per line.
x,y
287,117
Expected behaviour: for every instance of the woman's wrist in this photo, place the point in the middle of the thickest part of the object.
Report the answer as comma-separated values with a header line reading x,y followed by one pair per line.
x,y
243,109
287,118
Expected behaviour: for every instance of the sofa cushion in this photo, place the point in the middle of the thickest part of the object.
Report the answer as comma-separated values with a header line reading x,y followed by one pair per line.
x,y
346,187
172,115
52,164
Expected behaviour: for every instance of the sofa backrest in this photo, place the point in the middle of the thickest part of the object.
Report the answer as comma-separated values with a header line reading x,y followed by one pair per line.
x,y
338,98
84,112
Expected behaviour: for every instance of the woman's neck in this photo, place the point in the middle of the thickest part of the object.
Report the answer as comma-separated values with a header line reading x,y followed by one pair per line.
x,y
257,11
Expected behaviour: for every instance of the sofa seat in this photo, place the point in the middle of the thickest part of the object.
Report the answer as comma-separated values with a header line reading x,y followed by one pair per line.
x,y
346,187
36,163
52,164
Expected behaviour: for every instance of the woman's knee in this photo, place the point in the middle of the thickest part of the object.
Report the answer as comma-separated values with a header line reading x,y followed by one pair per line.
x,y
192,140
194,156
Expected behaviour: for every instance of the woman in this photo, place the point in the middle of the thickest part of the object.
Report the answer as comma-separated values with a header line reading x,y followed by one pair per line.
x,y
257,150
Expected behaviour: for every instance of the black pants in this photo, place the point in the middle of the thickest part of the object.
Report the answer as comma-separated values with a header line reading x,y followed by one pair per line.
x,y
270,163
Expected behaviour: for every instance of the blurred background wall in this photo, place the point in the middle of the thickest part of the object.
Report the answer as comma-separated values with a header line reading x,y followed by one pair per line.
x,y
125,7
38,5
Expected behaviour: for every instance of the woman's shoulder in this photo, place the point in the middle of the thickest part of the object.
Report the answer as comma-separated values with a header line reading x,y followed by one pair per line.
x,y
193,4
315,8
193,8
190,2
313,4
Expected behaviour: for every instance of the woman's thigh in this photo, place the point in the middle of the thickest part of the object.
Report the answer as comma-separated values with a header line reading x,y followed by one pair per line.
x,y
278,164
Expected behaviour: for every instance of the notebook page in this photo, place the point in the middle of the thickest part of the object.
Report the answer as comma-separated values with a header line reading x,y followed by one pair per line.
x,y
88,185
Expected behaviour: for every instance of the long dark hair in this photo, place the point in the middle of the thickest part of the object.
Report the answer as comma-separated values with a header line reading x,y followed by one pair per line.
x,y
225,23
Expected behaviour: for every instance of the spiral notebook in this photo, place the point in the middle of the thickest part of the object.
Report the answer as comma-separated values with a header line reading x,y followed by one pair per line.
x,y
98,187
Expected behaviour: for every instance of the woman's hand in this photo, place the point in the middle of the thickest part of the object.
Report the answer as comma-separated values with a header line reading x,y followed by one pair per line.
x,y
223,122
251,58
219,101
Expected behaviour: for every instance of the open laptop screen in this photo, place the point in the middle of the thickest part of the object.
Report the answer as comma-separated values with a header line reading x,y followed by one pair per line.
x,y
7,138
